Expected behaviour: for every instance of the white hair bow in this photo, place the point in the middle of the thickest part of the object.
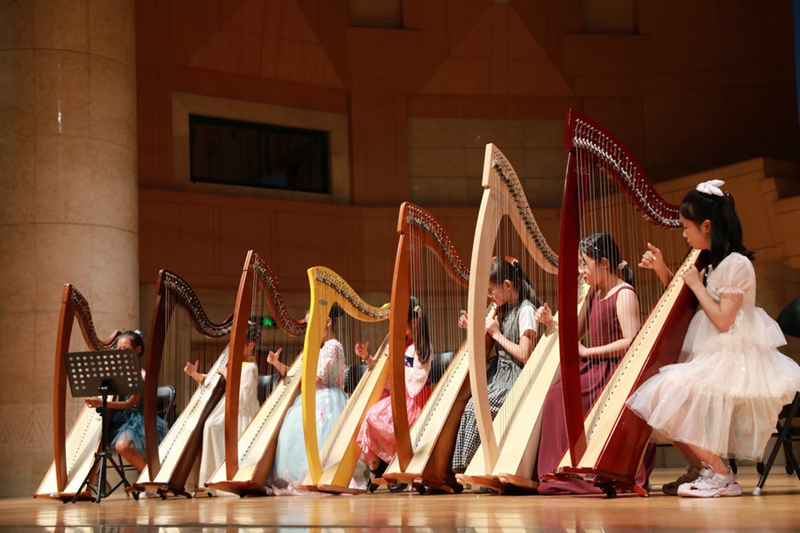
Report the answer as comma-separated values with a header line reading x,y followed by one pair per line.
x,y
711,187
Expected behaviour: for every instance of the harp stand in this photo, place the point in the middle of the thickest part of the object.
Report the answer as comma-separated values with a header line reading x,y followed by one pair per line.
x,y
103,373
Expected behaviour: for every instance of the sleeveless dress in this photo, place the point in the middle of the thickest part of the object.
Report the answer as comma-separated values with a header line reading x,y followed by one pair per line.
x,y
604,329
291,461
376,435
214,429
519,318
726,395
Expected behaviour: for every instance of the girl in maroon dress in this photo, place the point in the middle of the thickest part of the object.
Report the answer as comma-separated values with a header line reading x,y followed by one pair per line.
x,y
611,317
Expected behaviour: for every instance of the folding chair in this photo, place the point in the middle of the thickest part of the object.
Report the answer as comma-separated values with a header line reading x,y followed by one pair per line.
x,y
789,322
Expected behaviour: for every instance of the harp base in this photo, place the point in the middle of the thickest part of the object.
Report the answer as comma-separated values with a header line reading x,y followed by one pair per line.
x,y
240,488
162,489
608,482
427,484
338,489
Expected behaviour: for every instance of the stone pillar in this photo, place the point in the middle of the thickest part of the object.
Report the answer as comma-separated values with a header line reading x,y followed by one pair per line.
x,y
68,206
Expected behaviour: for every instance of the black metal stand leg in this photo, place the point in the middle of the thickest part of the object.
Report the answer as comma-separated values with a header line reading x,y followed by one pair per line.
x,y
784,432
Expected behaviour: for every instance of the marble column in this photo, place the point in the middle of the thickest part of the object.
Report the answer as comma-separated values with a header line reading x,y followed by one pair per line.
x,y
68,206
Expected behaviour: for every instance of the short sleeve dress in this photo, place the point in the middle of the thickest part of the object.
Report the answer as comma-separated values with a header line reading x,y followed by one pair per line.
x,y
726,394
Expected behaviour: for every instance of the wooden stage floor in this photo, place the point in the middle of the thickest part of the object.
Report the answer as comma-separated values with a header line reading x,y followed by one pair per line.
x,y
776,509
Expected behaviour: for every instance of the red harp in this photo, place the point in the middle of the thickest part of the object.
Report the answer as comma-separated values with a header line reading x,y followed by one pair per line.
x,y
181,331
259,303
428,267
74,452
604,180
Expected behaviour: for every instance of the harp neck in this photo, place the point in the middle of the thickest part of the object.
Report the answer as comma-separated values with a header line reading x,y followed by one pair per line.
x,y
258,281
171,292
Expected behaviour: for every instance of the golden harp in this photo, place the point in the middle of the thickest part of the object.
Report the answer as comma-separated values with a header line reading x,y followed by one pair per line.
x,y
331,466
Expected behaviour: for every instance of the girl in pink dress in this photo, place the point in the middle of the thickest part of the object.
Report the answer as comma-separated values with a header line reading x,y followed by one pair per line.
x,y
376,436
724,397
612,318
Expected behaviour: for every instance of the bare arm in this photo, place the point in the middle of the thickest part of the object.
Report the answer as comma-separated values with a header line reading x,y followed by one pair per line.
x,y
520,351
273,358
191,370
653,259
114,405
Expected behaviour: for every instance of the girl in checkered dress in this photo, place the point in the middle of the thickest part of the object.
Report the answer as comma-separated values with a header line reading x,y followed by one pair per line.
x,y
514,332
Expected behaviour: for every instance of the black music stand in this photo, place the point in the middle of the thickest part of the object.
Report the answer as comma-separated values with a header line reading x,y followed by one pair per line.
x,y
103,373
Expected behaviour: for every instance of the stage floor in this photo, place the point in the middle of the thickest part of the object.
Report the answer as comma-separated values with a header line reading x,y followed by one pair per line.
x,y
776,509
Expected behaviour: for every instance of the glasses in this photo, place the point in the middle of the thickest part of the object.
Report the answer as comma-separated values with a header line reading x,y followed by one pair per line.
x,y
492,289
584,264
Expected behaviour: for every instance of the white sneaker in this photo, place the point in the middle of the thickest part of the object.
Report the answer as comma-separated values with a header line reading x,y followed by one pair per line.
x,y
151,494
711,485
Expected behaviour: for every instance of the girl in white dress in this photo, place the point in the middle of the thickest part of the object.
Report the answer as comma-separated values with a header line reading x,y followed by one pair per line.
x,y
724,397
213,452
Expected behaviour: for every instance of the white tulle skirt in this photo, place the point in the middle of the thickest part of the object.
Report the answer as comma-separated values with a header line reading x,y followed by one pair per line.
x,y
726,394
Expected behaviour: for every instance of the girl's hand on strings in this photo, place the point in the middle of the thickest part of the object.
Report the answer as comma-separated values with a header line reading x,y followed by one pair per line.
x,y
274,357
544,316
653,260
694,278
191,369
463,320
492,327
93,402
361,350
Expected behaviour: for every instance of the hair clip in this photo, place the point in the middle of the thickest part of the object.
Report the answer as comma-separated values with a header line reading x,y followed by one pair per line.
x,y
622,265
416,309
711,187
137,332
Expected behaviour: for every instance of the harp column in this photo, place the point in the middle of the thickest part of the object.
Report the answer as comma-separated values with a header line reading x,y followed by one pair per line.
x,y
69,201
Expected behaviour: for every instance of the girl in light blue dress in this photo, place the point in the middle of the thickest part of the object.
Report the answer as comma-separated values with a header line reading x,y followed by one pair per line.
x,y
291,463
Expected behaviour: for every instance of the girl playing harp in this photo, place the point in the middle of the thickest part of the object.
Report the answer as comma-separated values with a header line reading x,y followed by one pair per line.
x,y
376,438
213,452
732,373
611,316
291,461
514,333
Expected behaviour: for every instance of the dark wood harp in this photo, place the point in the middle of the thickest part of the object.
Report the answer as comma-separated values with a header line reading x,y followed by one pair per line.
x,y
606,446
332,466
424,451
509,443
169,464
249,458
74,452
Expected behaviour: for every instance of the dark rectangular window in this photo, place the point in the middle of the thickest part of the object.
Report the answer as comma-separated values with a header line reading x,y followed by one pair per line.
x,y
233,152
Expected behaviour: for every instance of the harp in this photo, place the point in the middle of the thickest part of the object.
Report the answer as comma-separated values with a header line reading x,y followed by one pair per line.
x,y
74,452
249,457
606,190
428,267
181,331
331,466
510,438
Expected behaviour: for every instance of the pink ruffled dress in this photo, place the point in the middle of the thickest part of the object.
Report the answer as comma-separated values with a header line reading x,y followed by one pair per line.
x,y
376,436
